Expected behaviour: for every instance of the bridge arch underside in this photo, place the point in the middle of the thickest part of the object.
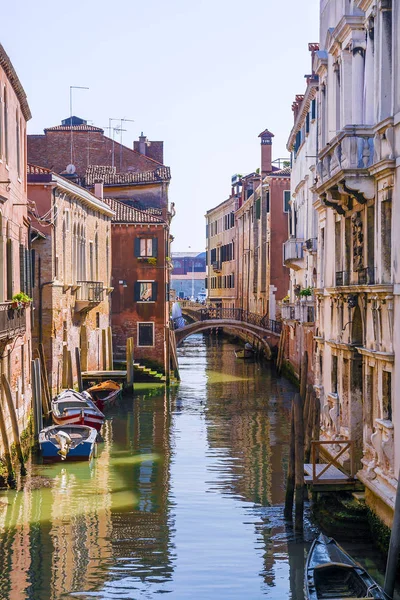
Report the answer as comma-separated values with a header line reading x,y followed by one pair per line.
x,y
267,339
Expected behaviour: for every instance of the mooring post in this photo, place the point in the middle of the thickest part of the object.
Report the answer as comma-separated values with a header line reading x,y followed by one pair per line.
x,y
288,513
303,376
78,369
34,400
104,348
7,455
129,363
309,422
110,349
45,381
394,547
14,421
299,463
39,411
70,377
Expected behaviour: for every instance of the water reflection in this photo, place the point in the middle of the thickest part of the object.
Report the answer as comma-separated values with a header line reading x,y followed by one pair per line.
x,y
185,497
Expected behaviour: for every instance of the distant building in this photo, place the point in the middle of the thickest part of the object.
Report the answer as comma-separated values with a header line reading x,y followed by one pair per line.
x,y
189,274
71,240
15,272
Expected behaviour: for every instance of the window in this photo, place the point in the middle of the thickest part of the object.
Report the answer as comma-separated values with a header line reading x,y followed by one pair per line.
x,y
5,126
286,200
145,291
258,208
97,320
313,103
145,334
307,122
17,137
145,247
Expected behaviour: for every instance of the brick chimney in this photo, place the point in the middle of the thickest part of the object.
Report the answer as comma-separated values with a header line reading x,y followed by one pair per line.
x,y
266,151
154,150
99,190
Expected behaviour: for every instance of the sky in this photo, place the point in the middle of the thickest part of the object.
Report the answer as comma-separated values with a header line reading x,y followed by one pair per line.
x,y
204,76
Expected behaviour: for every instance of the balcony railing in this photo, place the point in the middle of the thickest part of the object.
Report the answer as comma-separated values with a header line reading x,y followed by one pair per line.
x,y
12,321
91,291
238,314
364,276
311,244
292,250
304,312
216,265
342,278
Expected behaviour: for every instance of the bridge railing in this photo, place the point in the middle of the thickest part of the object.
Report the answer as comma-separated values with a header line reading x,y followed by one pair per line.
x,y
239,314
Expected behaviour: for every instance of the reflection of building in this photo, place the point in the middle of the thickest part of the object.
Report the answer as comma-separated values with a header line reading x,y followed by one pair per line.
x,y
188,274
15,275
71,239
298,310
358,295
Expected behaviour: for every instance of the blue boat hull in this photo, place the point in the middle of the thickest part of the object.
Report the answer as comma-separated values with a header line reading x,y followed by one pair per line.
x,y
83,448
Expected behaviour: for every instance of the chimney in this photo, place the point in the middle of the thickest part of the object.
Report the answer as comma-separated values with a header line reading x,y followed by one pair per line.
x,y
266,151
142,143
99,189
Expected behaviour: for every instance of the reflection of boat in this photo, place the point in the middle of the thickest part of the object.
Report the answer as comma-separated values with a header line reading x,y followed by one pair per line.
x,y
67,442
103,394
244,353
73,408
332,573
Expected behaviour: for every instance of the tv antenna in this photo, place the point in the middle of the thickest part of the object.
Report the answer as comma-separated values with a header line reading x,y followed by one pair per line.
x,y
73,87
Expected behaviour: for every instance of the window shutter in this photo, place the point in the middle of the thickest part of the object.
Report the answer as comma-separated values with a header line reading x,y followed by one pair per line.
x,y
32,268
167,292
22,268
137,291
313,109
137,247
258,209
206,283
154,247
154,286
9,251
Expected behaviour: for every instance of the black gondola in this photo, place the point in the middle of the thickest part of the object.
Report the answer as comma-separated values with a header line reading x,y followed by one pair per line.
x,y
332,573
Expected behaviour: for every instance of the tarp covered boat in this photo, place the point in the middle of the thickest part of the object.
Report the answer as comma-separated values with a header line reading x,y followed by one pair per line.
x,y
72,408
67,442
104,394
332,573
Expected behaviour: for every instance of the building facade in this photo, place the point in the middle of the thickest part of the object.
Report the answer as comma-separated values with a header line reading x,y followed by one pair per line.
x,y
188,275
300,249
15,274
358,281
71,241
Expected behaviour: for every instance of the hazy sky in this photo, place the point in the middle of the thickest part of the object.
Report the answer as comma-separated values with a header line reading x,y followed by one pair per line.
x,y
205,76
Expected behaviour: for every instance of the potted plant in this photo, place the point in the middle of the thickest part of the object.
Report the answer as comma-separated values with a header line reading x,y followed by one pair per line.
x,y
306,293
286,299
20,300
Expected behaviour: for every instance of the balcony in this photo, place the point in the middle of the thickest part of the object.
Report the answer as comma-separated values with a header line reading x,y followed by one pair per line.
x,y
311,245
89,294
364,276
12,321
302,311
216,265
293,253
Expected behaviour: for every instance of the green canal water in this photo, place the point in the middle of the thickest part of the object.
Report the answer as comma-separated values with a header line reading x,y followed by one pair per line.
x,y
185,497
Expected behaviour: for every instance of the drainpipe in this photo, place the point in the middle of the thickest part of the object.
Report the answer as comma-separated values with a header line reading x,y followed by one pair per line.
x,y
41,286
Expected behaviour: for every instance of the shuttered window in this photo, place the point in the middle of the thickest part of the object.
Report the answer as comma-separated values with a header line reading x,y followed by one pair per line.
x,y
146,247
258,208
145,291
286,200
145,334
9,256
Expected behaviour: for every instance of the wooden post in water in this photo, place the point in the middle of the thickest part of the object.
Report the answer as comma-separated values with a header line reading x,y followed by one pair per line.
x,y
78,369
64,380
70,378
45,381
394,547
129,363
110,349
309,419
7,454
38,381
299,463
14,421
34,400
104,349
303,376
288,513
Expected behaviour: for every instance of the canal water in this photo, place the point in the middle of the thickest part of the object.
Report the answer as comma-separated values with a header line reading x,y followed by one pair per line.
x,y
185,497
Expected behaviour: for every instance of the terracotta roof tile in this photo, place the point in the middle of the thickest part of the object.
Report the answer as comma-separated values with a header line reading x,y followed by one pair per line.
x,y
109,176
6,64
128,214
36,170
82,127
281,172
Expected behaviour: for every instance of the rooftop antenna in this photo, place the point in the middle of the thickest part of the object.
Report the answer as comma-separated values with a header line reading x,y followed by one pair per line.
x,y
120,140
110,128
73,87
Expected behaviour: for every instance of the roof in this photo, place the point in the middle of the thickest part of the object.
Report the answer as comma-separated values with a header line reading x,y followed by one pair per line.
x,y
266,133
36,170
188,254
280,172
128,214
12,77
82,127
109,176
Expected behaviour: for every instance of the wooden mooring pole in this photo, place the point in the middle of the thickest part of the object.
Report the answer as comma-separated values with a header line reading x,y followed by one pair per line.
x,y
45,382
7,454
14,421
299,463
129,363
110,349
303,376
288,513
78,369
394,547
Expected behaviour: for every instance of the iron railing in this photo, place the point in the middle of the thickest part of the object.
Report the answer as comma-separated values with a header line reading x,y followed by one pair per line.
x,y
12,321
366,276
90,291
293,249
303,312
342,278
239,314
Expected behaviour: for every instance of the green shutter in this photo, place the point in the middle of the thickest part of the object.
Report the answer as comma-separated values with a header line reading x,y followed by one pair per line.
x,y
137,247
154,286
137,291
258,208
154,245
22,268
9,252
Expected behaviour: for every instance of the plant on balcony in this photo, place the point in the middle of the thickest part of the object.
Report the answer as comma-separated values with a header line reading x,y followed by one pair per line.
x,y
20,300
286,299
306,292
297,289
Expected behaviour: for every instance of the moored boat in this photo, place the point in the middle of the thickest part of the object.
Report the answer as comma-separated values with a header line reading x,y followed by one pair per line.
x,y
332,573
72,408
244,353
104,394
67,442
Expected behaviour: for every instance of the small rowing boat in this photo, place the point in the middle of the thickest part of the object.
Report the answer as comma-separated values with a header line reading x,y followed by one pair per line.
x,y
332,573
72,408
244,353
104,394
67,442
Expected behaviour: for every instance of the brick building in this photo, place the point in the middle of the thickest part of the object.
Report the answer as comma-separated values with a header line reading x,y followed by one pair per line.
x,y
140,276
71,240
15,325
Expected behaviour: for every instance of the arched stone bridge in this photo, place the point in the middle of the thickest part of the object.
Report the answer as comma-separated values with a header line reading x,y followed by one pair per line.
x,y
266,331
